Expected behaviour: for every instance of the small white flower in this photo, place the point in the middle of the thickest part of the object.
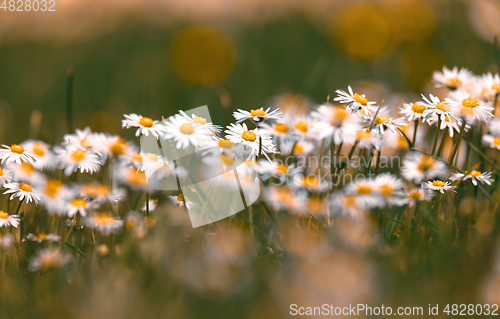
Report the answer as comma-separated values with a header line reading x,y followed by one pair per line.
x,y
26,172
492,141
471,106
43,237
22,190
310,183
368,139
438,185
442,109
78,159
267,169
8,220
257,115
102,193
215,129
53,194
179,201
382,122
5,176
334,123
281,132
145,125
15,154
240,134
389,187
494,126
452,79
348,204
417,167
152,205
186,133
354,101
49,258
474,176
452,125
367,192
79,205
413,111
44,158
416,195
104,223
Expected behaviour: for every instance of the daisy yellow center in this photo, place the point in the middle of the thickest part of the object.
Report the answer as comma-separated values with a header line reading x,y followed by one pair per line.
x,y
136,177
258,112
119,148
1,172
228,160
496,87
136,157
150,221
475,173
78,202
301,127
438,183
454,83
103,219
443,106
226,144
283,194
18,149
41,237
360,99
25,187
364,189
416,194
470,102
281,168
28,168
386,190
363,135
52,188
281,128
3,215
418,108
496,140
298,149
102,190
310,181
152,157
249,136
315,204
200,120
181,198
186,128
79,155
146,122
426,163
350,201
382,119
85,143
338,117
39,150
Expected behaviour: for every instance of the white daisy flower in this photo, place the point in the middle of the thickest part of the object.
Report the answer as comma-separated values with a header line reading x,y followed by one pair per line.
x,y
438,185
281,132
277,169
240,134
492,141
8,220
113,146
367,192
474,176
15,154
300,148
257,115
133,177
145,125
494,126
416,195
81,139
282,197
413,111
44,158
442,109
383,122
102,193
489,85
354,101
389,187
186,133
26,172
5,176
417,167
105,223
452,79
43,237
214,129
22,190
472,105
78,159
49,258
310,183
79,205
179,201
368,139
348,204
303,128
334,123
53,194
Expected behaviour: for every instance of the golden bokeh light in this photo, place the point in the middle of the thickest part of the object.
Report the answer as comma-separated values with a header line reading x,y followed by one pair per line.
x,y
203,55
